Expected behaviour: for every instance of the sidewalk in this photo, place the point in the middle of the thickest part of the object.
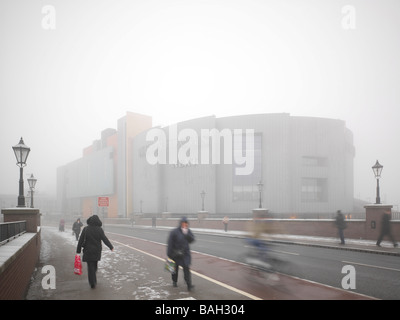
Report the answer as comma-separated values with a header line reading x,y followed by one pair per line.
x,y
123,274
351,244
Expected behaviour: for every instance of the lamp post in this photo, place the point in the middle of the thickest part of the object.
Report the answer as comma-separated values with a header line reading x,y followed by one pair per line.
x,y
203,195
32,182
377,168
260,187
21,152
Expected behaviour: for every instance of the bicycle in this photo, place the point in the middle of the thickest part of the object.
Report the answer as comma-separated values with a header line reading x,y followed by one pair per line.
x,y
257,258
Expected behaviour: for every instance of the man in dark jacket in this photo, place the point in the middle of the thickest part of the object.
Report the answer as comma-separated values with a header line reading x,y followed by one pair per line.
x,y
90,240
385,229
341,225
179,251
76,228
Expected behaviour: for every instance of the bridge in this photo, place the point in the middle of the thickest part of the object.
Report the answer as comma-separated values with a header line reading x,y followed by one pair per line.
x,y
134,271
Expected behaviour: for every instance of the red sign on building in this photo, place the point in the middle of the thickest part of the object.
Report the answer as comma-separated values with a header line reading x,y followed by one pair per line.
x,y
102,201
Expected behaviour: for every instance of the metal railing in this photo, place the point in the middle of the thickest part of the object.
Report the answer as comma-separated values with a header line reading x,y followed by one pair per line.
x,y
11,230
396,215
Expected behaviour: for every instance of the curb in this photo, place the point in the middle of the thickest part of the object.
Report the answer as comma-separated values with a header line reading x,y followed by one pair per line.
x,y
343,247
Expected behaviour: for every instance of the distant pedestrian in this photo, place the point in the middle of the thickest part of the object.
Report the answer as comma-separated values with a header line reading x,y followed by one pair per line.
x,y
76,228
90,241
178,250
225,221
61,225
385,229
341,225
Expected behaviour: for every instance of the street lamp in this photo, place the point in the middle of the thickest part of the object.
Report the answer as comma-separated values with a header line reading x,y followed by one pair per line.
x,y
377,168
32,182
260,187
21,152
203,195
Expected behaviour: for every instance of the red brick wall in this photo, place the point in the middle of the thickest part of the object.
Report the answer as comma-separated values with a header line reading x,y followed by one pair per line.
x,y
31,216
14,280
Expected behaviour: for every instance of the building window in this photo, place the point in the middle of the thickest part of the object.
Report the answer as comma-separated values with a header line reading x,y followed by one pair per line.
x,y
244,187
309,161
314,190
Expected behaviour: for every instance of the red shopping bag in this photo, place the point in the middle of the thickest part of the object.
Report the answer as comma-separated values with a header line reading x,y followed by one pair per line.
x,y
78,265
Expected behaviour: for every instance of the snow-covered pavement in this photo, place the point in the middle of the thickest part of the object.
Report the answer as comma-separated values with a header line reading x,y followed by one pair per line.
x,y
122,274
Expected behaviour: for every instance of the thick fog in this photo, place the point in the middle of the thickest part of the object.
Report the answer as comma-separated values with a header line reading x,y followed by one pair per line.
x,y
70,69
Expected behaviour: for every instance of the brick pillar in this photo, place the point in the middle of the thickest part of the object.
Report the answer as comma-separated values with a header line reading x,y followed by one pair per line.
x,y
31,215
260,213
201,215
373,217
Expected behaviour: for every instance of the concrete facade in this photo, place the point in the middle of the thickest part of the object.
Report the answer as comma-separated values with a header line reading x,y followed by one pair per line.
x,y
304,163
103,170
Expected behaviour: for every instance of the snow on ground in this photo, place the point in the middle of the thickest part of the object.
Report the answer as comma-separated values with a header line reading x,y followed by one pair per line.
x,y
129,274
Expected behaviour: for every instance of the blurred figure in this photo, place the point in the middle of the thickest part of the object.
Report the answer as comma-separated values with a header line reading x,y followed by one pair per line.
x,y
385,229
257,255
76,228
225,221
178,250
61,225
90,241
341,225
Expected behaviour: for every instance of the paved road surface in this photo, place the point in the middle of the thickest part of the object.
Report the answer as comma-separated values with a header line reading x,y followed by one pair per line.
x,y
135,271
377,271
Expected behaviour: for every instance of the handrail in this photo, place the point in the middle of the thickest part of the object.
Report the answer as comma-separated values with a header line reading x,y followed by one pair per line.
x,y
11,230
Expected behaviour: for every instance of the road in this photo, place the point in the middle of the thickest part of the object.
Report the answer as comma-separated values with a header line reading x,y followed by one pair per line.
x,y
376,275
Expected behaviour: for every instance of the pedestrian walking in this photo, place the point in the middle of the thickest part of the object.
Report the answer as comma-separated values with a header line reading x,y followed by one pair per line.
x,y
179,250
341,225
386,230
76,228
90,240
61,225
225,221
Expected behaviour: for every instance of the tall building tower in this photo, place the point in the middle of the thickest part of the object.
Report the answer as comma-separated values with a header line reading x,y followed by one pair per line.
x,y
105,170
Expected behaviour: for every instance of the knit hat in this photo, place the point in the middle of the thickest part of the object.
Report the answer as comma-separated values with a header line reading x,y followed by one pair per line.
x,y
184,219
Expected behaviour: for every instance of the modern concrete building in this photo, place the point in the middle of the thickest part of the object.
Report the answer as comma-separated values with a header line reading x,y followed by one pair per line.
x,y
103,171
305,165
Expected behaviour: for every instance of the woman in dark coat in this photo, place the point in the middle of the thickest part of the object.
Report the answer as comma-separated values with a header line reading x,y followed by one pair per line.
x,y
90,240
179,251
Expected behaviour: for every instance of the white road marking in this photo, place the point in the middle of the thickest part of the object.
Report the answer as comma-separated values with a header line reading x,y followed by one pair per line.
x,y
278,251
246,294
371,266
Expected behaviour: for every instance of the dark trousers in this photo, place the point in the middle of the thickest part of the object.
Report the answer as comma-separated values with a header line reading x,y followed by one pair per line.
x,y
92,269
341,236
186,275
383,234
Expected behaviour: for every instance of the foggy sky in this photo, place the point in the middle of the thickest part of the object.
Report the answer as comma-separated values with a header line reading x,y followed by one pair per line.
x,y
178,60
